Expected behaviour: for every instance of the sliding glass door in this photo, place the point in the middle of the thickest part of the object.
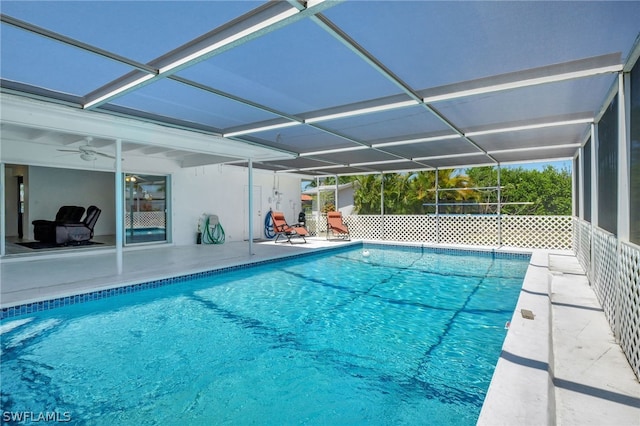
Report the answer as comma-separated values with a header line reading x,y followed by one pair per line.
x,y
145,200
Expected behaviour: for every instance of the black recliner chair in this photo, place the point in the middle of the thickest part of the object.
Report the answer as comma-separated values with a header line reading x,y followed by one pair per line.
x,y
67,228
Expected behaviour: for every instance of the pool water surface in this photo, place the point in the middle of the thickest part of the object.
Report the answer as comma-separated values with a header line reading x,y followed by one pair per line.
x,y
401,336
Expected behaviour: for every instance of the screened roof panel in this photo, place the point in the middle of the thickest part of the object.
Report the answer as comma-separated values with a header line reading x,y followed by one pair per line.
x,y
560,135
453,162
357,157
333,76
300,138
174,99
300,163
342,170
449,42
299,75
534,155
399,165
139,30
380,126
45,63
433,148
551,102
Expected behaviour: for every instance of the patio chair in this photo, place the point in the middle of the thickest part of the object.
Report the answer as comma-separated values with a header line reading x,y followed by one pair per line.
x,y
45,230
336,226
68,232
282,229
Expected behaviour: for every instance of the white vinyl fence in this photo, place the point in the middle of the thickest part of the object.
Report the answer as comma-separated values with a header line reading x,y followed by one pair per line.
x,y
613,269
548,232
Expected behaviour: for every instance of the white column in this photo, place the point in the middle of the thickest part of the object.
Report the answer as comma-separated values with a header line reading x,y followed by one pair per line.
x,y
250,204
119,182
3,207
499,207
437,183
594,191
318,215
580,206
594,174
381,194
624,162
437,194
336,193
382,206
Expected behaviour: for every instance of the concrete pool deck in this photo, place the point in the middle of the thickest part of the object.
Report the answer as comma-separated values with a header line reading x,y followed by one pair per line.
x,y
560,363
561,367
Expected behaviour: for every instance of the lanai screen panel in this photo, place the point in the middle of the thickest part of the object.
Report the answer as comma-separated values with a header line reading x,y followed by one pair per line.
x,y
402,123
294,69
572,134
607,164
170,98
300,138
430,44
41,62
455,146
139,30
349,54
554,102
634,208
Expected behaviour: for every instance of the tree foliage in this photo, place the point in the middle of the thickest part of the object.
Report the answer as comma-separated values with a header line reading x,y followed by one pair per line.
x,y
536,192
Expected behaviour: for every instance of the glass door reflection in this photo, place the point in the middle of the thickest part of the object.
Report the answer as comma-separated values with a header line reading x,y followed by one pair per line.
x,y
145,203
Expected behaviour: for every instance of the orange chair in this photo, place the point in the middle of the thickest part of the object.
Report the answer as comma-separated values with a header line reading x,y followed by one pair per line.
x,y
336,226
282,229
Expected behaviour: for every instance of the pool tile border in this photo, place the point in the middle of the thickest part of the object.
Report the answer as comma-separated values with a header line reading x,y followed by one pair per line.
x,y
45,305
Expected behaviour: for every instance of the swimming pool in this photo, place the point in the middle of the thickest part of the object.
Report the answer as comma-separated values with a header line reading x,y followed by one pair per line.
x,y
402,336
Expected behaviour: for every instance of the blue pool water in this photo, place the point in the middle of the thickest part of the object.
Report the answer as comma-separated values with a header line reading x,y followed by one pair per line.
x,y
402,336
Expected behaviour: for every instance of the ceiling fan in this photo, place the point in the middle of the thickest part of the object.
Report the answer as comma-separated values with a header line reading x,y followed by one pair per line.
x,y
88,152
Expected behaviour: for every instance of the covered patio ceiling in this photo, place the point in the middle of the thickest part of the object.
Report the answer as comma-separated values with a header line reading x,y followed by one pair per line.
x,y
333,87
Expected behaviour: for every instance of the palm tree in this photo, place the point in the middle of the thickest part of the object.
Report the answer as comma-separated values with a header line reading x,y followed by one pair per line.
x,y
367,196
460,189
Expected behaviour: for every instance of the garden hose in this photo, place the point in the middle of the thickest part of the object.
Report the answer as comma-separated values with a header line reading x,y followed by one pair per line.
x,y
268,226
213,232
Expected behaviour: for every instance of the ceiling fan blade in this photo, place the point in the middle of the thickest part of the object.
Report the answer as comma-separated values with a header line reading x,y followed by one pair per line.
x,y
105,155
68,150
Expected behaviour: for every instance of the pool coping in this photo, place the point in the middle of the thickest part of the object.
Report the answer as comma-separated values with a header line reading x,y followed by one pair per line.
x,y
521,390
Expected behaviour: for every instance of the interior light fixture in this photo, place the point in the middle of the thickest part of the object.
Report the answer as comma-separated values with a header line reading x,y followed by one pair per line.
x,y
261,129
524,83
333,151
361,111
418,140
530,127
119,90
